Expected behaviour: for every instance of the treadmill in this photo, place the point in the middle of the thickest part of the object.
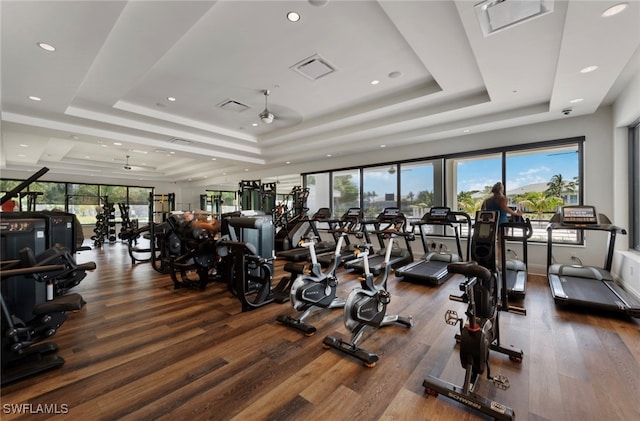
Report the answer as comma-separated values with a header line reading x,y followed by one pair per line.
x,y
348,223
515,270
588,286
387,219
299,253
432,267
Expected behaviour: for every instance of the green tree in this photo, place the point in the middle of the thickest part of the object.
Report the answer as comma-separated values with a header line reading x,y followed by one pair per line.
x,y
425,198
557,185
539,202
347,193
468,204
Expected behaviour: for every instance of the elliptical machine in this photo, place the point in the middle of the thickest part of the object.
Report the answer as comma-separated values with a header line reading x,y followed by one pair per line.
x,y
481,332
314,291
366,307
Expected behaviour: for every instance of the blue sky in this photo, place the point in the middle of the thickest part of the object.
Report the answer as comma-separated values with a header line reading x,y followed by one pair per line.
x,y
522,170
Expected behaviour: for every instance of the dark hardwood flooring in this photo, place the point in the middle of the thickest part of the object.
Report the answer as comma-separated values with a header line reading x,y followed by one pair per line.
x,y
140,350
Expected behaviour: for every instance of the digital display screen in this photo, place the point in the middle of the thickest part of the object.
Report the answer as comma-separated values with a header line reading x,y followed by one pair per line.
x,y
484,231
353,212
391,211
579,215
439,213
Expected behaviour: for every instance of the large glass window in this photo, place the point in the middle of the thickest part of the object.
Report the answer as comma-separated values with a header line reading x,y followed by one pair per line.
x,y
472,179
346,191
319,191
139,204
417,192
47,196
540,181
380,189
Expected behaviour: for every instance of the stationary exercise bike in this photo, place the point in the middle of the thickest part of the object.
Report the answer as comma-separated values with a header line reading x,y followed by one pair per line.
x,y
481,333
314,291
366,307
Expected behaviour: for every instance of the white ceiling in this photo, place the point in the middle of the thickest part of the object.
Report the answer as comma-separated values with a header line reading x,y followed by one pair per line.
x,y
117,62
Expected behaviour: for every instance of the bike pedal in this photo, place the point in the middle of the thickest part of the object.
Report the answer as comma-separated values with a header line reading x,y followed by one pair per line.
x,y
500,381
451,317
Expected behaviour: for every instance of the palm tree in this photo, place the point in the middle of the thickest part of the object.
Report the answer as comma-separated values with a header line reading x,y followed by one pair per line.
x,y
557,185
540,202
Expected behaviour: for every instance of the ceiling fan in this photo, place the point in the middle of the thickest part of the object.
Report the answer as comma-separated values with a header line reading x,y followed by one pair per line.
x,y
266,116
127,166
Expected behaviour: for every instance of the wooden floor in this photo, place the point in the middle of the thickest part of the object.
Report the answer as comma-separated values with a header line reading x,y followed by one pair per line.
x,y
140,350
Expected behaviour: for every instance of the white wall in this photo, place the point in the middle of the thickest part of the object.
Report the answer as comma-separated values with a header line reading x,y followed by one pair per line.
x,y
626,110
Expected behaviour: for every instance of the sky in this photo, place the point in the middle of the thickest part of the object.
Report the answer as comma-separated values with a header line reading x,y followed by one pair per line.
x,y
522,170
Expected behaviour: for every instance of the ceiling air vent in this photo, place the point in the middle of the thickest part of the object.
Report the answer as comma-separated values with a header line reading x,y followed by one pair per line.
x,y
314,67
495,15
182,142
233,105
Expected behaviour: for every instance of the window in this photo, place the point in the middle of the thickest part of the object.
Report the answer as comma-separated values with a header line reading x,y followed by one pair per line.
x,y
417,192
472,179
319,191
634,186
139,204
540,181
346,191
379,189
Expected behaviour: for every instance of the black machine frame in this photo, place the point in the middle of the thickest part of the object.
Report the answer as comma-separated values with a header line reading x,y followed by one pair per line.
x,y
432,266
591,287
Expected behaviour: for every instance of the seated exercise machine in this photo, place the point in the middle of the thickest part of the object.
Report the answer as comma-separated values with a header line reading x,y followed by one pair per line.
x,y
514,270
432,267
314,291
22,354
481,333
366,307
249,252
587,286
389,218
195,265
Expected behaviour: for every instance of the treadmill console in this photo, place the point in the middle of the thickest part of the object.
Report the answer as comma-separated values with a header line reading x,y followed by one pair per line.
x,y
483,243
391,212
439,213
579,215
353,212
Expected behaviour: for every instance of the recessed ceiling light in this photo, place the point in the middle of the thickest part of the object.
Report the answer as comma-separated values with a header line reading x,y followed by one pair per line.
x,y
24,145
328,155
170,98
22,155
575,101
589,69
293,16
172,152
47,47
466,131
288,162
117,143
35,98
104,146
87,157
246,169
375,82
614,10
213,159
383,146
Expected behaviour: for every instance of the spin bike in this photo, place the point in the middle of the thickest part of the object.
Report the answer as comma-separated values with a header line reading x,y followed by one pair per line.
x,y
366,307
314,291
481,332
